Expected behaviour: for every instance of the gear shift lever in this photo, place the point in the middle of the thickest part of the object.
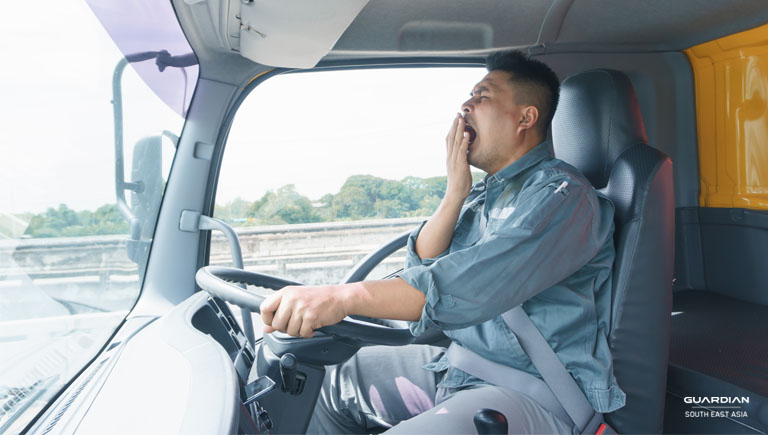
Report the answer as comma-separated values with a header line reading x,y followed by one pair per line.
x,y
489,421
288,371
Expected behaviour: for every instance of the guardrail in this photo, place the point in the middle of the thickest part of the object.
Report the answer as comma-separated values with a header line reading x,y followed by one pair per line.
x,y
311,253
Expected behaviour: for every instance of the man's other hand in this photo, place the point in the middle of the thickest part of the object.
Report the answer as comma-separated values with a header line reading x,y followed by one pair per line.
x,y
299,310
457,164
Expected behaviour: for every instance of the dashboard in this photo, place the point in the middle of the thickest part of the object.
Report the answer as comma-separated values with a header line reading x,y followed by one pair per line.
x,y
181,373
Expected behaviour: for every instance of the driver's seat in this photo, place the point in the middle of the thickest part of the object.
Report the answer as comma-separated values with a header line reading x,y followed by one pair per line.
x,y
598,128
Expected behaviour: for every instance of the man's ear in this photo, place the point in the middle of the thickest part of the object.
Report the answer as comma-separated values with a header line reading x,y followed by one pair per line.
x,y
529,117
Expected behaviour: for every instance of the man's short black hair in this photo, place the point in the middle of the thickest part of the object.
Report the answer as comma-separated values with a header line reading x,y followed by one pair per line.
x,y
535,82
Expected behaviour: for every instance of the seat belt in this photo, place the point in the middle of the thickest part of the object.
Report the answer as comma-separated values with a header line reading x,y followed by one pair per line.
x,y
560,394
553,371
505,376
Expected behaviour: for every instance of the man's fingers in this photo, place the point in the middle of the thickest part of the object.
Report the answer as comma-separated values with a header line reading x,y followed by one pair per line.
x,y
458,137
268,308
297,312
451,133
462,156
294,325
306,328
282,316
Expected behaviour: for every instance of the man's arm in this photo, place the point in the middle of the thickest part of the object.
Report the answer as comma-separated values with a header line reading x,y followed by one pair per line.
x,y
435,236
545,239
298,311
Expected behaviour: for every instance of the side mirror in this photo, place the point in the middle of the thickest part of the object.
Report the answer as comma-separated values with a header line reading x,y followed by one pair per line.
x,y
146,183
147,177
146,187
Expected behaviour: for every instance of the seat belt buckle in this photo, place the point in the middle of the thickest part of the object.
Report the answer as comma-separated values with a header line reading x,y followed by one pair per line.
x,y
604,429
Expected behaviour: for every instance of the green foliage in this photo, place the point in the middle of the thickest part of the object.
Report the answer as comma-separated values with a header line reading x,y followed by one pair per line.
x,y
65,222
361,197
286,206
353,202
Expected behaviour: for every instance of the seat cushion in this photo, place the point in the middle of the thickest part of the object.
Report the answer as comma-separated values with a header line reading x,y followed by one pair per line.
x,y
722,337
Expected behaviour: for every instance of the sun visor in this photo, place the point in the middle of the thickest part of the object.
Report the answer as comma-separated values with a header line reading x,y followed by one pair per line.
x,y
293,33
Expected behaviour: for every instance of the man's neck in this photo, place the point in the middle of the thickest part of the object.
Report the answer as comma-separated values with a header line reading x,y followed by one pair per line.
x,y
518,152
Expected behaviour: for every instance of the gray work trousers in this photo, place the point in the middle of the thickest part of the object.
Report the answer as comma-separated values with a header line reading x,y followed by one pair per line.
x,y
385,388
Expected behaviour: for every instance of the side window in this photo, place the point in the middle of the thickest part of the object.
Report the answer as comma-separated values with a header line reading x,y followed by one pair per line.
x,y
321,168
80,186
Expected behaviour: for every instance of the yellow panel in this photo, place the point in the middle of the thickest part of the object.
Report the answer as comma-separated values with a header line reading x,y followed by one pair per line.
x,y
731,79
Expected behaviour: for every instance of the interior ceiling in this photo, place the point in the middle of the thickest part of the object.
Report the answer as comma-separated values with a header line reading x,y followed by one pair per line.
x,y
445,28
386,27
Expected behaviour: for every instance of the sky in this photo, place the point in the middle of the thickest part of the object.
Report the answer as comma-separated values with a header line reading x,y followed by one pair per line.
x,y
56,123
312,130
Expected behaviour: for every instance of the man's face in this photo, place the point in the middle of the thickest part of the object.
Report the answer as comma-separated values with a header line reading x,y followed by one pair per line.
x,y
492,113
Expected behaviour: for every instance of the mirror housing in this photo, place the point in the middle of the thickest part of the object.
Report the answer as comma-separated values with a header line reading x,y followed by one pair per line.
x,y
147,177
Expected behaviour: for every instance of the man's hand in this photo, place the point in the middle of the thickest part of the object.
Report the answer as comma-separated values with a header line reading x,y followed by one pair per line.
x,y
435,236
457,165
299,310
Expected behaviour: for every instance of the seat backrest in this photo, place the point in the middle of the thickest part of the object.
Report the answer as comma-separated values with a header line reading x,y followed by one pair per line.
x,y
598,128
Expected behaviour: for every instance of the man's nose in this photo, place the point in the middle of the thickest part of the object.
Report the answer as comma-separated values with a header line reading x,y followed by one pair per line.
x,y
467,106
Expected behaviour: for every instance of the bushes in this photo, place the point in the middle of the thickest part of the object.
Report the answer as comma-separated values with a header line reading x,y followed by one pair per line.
x,y
361,197
65,222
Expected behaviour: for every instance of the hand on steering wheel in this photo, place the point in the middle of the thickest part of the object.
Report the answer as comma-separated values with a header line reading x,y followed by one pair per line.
x,y
300,310
221,281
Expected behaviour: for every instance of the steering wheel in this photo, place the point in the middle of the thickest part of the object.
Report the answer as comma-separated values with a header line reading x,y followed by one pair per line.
x,y
221,281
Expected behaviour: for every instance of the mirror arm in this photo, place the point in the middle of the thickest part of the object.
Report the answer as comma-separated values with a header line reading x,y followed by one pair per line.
x,y
117,106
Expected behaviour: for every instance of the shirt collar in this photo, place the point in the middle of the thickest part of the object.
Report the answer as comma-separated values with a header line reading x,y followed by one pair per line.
x,y
536,154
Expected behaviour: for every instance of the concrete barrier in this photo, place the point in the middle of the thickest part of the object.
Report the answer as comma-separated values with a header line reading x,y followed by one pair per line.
x,y
309,253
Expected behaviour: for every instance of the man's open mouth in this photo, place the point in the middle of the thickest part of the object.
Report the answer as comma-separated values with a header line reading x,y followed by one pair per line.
x,y
472,133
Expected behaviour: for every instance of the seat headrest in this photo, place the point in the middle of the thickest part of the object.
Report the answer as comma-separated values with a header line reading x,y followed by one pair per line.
x,y
596,120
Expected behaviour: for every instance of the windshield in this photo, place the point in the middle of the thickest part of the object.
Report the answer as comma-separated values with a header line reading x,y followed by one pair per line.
x,y
81,180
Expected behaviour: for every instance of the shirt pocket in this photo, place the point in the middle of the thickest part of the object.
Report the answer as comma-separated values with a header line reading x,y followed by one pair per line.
x,y
498,217
540,208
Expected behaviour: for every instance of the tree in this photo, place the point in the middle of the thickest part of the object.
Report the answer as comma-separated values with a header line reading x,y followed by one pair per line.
x,y
361,197
352,202
286,206
389,208
65,222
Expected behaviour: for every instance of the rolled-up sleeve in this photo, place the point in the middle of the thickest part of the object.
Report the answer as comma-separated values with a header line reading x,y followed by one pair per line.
x,y
549,236
412,259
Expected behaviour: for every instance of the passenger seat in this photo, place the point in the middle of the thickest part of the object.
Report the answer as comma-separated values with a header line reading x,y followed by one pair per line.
x,y
719,349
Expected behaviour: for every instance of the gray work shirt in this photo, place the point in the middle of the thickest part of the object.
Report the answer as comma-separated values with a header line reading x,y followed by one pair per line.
x,y
535,233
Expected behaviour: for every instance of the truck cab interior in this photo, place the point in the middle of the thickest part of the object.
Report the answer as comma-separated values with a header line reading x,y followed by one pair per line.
x,y
663,107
